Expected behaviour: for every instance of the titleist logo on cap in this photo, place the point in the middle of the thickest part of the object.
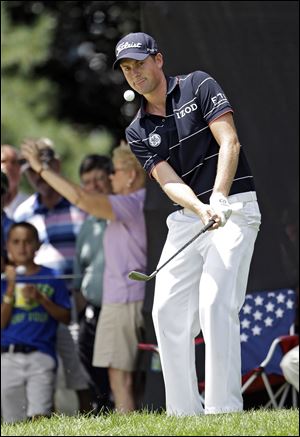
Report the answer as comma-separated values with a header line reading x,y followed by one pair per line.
x,y
136,46
128,45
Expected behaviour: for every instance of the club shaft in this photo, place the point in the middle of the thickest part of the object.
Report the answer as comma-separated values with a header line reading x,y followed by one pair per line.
x,y
204,229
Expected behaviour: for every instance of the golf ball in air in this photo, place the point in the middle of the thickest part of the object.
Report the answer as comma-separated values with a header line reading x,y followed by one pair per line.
x,y
129,95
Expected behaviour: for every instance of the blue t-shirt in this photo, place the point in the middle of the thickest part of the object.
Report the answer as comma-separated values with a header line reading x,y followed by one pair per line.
x,y
30,323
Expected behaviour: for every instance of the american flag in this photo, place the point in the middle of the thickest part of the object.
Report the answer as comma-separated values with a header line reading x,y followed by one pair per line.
x,y
265,316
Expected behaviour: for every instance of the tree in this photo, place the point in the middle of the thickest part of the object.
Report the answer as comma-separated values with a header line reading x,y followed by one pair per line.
x,y
57,79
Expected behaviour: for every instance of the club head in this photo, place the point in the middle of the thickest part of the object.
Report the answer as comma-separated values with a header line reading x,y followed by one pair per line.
x,y
137,276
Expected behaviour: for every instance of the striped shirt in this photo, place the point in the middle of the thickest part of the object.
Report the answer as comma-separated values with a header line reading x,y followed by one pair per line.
x,y
183,137
57,228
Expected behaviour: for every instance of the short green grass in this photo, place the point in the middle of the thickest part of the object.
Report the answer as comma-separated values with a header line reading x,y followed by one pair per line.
x,y
249,423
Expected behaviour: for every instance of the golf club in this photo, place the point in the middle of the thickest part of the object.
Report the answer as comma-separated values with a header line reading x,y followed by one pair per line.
x,y
137,276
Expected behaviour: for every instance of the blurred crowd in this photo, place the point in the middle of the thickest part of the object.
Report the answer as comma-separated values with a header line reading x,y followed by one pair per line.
x,y
67,301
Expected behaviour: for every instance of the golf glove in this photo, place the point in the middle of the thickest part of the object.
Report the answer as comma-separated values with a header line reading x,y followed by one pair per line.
x,y
221,206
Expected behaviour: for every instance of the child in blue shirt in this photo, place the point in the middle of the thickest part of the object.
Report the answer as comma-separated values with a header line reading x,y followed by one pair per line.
x,y
30,312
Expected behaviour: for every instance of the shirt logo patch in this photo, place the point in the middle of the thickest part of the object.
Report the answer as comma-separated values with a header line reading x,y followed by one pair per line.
x,y
186,110
219,98
154,140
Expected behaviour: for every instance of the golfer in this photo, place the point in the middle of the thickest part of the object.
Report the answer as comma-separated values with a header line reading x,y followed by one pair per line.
x,y
185,138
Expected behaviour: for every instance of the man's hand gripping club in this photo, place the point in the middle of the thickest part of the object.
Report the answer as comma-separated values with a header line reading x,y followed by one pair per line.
x,y
221,207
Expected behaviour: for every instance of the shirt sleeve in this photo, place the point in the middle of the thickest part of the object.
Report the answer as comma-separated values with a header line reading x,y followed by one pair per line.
x,y
147,158
210,96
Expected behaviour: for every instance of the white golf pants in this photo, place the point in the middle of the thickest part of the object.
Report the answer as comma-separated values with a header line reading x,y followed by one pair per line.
x,y
203,288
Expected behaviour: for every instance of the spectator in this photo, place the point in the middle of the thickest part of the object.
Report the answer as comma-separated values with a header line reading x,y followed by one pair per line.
x,y
29,316
10,165
58,223
88,269
125,250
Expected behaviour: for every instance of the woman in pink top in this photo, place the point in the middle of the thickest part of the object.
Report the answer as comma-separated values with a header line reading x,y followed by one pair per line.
x,y
120,319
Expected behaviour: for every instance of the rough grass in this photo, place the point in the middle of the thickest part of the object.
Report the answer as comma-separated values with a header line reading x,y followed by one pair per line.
x,y
249,423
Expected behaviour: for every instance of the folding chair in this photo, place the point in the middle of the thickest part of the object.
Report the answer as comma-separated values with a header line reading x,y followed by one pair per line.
x,y
286,343
267,324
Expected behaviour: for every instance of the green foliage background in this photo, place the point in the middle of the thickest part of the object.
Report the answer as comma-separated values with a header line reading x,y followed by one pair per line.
x,y
28,101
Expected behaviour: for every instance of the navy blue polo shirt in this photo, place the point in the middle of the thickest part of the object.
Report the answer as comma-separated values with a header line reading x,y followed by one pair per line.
x,y
183,137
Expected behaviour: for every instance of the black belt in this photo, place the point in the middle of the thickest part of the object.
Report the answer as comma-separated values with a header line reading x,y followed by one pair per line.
x,y
14,348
